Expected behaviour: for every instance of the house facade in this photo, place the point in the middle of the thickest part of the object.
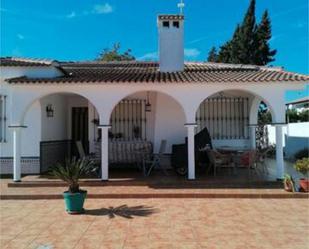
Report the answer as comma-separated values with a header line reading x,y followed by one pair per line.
x,y
45,105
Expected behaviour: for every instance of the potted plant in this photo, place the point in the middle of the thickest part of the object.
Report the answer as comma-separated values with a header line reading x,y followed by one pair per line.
x,y
302,166
70,172
288,183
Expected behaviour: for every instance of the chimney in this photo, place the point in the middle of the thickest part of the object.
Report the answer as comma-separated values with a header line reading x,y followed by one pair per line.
x,y
171,44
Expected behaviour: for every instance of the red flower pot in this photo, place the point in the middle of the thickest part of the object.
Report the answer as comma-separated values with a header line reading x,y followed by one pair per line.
x,y
304,185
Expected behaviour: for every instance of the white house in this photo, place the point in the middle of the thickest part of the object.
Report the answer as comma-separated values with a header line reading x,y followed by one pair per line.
x,y
47,104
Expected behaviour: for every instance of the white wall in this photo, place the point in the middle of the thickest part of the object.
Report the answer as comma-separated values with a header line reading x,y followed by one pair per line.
x,y
54,128
292,129
31,136
171,47
31,72
169,122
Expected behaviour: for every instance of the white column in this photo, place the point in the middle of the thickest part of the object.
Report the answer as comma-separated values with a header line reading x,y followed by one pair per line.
x,y
279,152
104,151
253,136
191,152
17,152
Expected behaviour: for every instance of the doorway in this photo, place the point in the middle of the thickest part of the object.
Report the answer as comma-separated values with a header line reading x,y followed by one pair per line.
x,y
80,126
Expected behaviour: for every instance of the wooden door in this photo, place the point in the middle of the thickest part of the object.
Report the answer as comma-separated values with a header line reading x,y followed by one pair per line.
x,y
80,126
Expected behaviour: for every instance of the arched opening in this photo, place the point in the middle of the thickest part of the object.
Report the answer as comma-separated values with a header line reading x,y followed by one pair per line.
x,y
237,122
139,123
55,123
228,116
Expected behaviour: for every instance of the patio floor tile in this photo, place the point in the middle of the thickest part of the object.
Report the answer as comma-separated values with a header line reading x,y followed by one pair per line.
x,y
176,224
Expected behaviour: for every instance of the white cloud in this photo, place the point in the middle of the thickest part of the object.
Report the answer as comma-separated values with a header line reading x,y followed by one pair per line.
x,y
198,40
149,56
71,15
102,8
20,37
191,52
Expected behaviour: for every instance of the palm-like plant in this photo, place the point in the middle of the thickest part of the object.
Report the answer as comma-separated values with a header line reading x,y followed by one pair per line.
x,y
71,171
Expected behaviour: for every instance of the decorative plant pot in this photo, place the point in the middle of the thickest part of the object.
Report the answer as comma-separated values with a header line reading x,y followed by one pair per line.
x,y
304,185
74,202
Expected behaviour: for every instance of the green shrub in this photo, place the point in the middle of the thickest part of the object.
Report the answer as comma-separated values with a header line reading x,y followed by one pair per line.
x,y
302,166
71,171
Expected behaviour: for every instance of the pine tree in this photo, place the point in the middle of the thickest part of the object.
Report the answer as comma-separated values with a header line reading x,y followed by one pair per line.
x,y
235,46
212,55
250,41
246,36
264,54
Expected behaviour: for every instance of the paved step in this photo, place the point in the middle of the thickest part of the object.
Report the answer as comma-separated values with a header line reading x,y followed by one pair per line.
x,y
226,193
212,184
161,196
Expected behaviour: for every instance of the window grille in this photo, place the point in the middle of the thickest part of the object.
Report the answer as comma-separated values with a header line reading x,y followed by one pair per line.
x,y
225,117
3,118
128,120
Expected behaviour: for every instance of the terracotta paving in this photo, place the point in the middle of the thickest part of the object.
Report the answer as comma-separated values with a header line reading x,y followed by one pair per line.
x,y
157,223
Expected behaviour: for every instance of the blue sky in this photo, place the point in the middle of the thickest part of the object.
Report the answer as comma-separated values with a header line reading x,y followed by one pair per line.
x,y
79,29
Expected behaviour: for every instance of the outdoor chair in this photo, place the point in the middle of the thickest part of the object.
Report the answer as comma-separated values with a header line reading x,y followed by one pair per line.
x,y
248,159
92,157
218,160
261,159
154,161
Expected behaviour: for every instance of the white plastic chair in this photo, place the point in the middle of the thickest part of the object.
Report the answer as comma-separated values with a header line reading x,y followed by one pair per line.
x,y
155,162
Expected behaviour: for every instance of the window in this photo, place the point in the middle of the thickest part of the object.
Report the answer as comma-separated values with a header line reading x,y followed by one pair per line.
x,y
166,24
128,120
176,24
224,117
2,118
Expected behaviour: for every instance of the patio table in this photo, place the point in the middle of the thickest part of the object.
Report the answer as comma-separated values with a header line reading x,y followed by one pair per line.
x,y
235,151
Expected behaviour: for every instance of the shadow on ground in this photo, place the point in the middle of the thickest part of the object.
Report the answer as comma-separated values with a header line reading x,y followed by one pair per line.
x,y
123,211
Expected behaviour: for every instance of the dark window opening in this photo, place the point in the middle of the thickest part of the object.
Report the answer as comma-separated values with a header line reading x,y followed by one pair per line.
x,y
166,24
176,24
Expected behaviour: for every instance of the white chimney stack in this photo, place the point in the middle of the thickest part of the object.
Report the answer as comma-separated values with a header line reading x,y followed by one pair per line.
x,y
171,43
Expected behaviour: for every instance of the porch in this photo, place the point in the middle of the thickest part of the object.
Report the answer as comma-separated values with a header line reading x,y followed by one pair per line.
x,y
142,120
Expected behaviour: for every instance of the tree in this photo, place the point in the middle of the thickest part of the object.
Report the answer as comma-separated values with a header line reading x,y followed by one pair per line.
x,y
224,55
246,36
114,54
250,41
212,56
264,114
264,54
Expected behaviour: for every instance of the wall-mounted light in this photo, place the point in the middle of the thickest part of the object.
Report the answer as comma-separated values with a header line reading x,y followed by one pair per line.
x,y
148,105
49,111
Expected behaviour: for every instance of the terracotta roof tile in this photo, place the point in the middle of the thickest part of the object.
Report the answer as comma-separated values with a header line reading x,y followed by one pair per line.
x,y
137,72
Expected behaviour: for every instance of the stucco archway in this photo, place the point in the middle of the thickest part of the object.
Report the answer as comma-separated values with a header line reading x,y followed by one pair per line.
x,y
229,115
145,118
54,122
24,103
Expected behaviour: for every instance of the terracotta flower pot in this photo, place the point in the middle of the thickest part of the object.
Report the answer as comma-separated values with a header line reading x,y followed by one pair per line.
x,y
304,184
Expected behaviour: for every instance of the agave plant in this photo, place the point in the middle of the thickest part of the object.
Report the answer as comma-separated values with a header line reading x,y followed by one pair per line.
x,y
71,171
